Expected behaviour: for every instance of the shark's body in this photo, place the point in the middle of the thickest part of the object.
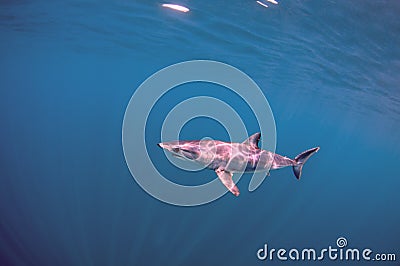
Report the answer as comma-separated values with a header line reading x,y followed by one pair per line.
x,y
226,158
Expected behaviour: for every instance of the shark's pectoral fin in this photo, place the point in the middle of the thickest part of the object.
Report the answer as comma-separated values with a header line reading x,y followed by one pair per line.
x,y
226,179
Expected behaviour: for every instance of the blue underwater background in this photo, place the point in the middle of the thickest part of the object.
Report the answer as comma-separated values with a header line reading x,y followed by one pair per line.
x,y
330,71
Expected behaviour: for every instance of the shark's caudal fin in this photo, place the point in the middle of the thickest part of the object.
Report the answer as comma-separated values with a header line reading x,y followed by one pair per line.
x,y
301,159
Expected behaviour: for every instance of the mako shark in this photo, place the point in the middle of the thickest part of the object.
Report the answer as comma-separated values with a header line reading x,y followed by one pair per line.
x,y
226,158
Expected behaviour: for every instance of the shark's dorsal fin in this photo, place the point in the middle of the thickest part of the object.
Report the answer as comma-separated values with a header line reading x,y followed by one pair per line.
x,y
253,140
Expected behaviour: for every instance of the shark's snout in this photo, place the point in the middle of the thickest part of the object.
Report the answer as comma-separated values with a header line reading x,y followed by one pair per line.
x,y
181,149
168,146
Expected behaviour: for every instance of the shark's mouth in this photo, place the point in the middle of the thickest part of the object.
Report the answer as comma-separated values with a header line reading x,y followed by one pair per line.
x,y
191,155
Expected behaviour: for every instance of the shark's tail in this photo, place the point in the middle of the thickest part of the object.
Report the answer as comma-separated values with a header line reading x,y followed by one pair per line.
x,y
301,159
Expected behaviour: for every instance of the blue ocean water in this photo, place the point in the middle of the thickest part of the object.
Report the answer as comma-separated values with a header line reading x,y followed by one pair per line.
x,y
68,69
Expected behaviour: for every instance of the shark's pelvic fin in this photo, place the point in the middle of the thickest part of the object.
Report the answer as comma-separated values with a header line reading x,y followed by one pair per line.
x,y
226,179
253,140
301,159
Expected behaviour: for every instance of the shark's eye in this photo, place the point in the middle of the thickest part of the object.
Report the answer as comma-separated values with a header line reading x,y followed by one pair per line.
x,y
175,150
